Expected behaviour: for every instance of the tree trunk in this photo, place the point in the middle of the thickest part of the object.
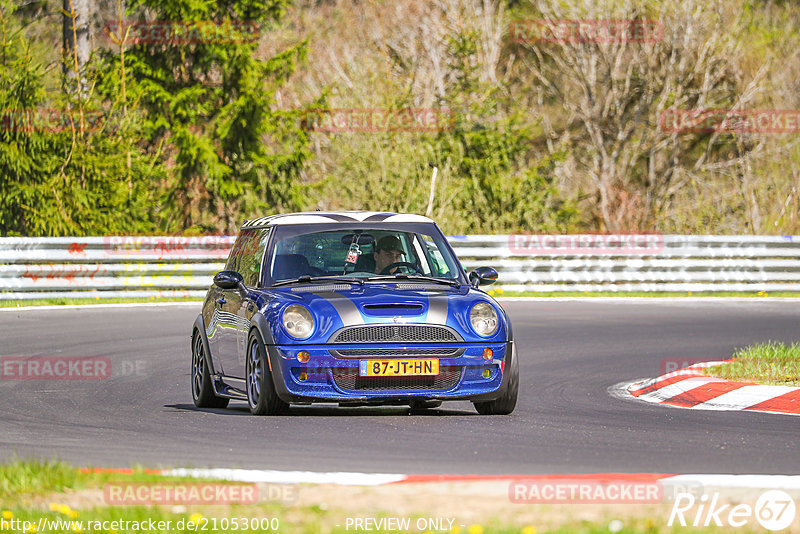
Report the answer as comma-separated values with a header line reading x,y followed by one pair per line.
x,y
76,42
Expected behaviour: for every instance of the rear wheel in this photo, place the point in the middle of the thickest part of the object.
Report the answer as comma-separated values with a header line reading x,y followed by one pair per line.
x,y
261,395
202,389
506,403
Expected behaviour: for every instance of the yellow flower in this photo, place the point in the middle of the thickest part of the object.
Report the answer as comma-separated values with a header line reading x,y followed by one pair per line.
x,y
475,529
64,509
73,514
195,518
7,514
32,527
54,506
529,530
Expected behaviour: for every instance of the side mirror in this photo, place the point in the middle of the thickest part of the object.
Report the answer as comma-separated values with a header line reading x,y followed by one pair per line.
x,y
482,276
228,280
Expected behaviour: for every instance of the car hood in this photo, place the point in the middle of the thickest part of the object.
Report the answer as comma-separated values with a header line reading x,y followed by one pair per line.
x,y
337,306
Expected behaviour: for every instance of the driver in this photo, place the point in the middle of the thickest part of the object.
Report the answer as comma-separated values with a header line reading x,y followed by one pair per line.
x,y
388,250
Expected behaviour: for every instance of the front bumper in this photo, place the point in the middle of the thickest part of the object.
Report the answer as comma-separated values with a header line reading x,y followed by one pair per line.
x,y
329,378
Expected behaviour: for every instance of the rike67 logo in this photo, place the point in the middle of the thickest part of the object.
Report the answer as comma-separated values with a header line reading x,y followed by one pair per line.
x,y
774,510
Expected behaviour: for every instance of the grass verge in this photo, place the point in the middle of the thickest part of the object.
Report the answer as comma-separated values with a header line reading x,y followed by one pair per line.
x,y
21,478
766,363
55,497
96,300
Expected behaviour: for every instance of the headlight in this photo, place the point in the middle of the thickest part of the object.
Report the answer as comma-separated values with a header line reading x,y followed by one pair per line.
x,y
483,319
298,321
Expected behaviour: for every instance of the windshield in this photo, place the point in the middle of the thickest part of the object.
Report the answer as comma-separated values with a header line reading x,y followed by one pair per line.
x,y
363,252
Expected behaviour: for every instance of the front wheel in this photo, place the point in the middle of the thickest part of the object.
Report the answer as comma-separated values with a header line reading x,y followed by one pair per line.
x,y
202,388
506,403
261,395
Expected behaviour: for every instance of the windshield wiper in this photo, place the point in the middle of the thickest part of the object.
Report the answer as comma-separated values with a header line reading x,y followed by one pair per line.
x,y
403,276
307,278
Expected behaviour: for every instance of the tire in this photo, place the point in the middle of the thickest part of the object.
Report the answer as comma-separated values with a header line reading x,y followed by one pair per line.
x,y
202,389
506,403
261,395
422,406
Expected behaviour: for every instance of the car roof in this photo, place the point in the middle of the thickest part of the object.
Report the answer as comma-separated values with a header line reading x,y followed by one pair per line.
x,y
334,217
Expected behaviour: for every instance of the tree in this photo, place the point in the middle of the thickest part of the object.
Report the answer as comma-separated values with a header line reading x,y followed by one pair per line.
x,y
615,91
209,109
63,164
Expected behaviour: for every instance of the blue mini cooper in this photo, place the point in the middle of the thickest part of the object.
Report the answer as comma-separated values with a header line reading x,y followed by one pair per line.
x,y
354,308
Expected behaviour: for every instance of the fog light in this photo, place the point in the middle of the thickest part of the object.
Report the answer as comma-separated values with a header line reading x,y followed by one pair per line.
x,y
487,373
303,376
303,356
487,353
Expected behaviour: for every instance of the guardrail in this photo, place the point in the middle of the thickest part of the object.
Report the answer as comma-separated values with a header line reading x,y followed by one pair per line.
x,y
161,267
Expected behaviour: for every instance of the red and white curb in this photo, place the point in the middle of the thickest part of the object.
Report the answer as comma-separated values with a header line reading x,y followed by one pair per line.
x,y
785,482
689,388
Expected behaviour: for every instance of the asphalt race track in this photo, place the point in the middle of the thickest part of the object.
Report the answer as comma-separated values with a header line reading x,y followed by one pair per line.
x,y
566,421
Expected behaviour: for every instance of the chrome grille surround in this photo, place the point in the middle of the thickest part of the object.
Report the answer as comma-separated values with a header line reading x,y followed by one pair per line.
x,y
396,333
441,352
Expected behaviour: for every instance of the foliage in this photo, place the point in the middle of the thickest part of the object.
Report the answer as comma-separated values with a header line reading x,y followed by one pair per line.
x,y
63,164
207,108
553,137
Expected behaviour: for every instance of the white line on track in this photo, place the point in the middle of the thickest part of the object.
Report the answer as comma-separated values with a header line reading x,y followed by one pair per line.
x,y
790,482
289,477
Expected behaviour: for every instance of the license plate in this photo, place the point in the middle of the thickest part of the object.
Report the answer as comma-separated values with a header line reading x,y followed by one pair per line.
x,y
418,367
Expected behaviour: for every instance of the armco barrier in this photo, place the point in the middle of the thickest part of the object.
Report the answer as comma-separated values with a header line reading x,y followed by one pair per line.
x,y
159,267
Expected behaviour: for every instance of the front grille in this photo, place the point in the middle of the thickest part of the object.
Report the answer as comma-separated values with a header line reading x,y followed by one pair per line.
x,y
348,379
395,333
444,352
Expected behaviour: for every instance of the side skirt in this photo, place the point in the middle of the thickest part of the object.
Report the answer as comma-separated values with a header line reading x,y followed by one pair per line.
x,y
235,390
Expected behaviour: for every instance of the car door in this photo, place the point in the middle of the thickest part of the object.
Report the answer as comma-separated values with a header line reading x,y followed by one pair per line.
x,y
238,307
227,303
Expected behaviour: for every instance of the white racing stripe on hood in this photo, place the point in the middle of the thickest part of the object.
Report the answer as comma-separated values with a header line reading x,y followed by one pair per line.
x,y
437,310
345,307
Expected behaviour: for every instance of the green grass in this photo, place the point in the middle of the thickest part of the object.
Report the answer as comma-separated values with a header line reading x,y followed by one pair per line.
x,y
767,363
19,478
32,490
70,301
